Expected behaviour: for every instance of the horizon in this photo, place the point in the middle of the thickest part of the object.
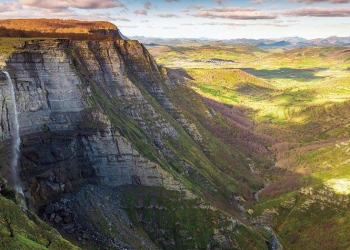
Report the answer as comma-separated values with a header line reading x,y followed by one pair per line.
x,y
253,19
239,38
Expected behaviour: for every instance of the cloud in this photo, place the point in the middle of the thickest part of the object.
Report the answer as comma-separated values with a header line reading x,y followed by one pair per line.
x,y
218,1
140,12
197,7
262,1
235,13
191,7
225,24
147,5
96,15
167,15
236,24
169,1
65,4
9,6
122,19
170,27
44,13
319,1
319,12
129,26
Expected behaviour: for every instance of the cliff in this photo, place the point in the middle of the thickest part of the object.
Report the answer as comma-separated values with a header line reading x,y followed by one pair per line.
x,y
105,114
67,140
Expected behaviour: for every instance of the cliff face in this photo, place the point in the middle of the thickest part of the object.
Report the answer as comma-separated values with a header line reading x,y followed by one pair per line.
x,y
104,113
66,142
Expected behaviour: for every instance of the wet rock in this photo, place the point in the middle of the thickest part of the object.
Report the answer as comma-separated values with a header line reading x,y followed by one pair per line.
x,y
67,219
68,227
273,243
50,209
52,217
86,236
58,219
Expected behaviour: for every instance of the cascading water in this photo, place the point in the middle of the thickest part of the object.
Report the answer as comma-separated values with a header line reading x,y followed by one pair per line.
x,y
16,139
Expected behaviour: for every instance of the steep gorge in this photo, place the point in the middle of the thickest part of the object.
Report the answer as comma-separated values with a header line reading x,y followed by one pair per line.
x,y
103,113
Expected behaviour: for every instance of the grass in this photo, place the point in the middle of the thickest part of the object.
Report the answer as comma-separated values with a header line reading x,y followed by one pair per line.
x,y
28,233
175,223
300,97
312,222
7,45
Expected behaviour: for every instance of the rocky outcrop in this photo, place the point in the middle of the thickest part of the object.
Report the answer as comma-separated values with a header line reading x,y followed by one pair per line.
x,y
88,217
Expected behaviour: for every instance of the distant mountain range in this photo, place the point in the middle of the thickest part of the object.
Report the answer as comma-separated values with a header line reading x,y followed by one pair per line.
x,y
285,42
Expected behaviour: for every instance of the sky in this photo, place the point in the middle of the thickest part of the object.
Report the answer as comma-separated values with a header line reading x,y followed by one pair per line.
x,y
216,19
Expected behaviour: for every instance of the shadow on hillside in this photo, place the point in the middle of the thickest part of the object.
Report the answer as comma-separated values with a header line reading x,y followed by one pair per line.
x,y
281,181
239,131
286,73
180,74
254,90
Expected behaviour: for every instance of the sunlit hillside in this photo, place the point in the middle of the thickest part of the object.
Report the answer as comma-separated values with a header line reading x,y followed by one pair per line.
x,y
301,98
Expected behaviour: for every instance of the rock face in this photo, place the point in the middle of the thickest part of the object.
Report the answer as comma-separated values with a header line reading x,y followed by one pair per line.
x,y
72,215
66,141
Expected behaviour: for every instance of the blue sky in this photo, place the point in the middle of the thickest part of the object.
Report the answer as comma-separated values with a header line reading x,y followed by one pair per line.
x,y
220,19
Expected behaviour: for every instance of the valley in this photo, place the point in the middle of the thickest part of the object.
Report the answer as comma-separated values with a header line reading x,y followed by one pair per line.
x,y
300,98
193,145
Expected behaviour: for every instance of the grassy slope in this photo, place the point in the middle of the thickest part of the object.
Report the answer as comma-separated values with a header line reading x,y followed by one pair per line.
x,y
184,148
167,217
220,123
28,233
307,112
216,169
312,218
203,56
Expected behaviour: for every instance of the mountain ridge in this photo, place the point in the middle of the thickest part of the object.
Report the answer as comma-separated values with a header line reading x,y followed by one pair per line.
x,y
285,42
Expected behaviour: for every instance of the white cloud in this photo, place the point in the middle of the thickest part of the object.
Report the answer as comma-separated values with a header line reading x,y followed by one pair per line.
x,y
64,4
140,12
235,13
9,6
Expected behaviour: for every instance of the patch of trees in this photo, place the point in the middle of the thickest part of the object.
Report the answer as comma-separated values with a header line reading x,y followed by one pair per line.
x,y
288,183
239,132
4,32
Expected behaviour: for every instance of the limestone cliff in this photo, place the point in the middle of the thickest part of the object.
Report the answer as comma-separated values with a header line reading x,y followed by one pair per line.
x,y
104,113
66,142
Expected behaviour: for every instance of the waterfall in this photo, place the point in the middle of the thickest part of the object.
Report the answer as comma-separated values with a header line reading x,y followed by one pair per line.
x,y
16,141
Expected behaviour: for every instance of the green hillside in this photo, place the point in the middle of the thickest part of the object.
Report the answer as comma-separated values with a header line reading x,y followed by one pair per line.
x,y
21,229
300,98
